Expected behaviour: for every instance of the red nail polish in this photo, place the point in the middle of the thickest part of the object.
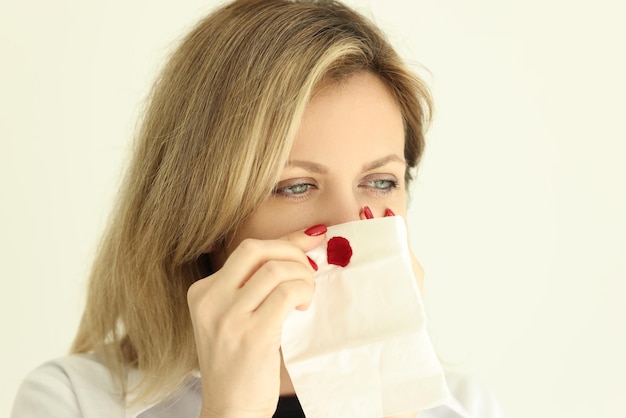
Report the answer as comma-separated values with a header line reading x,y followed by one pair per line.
x,y
389,212
316,230
313,263
368,213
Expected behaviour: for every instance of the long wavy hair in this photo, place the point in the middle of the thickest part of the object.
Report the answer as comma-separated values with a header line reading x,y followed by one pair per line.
x,y
219,125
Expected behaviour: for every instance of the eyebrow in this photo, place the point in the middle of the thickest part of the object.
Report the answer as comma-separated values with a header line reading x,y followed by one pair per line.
x,y
321,169
391,158
307,165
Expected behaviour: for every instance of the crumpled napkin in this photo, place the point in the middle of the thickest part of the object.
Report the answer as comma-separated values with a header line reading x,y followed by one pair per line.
x,y
361,349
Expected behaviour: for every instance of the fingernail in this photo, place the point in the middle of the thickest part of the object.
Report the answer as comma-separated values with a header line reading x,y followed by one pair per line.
x,y
316,230
389,212
313,263
368,213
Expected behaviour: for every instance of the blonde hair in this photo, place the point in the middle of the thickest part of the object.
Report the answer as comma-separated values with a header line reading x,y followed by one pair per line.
x,y
218,129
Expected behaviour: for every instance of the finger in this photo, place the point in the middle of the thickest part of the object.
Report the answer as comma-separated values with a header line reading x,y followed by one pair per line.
x,y
252,254
269,277
307,239
283,299
366,213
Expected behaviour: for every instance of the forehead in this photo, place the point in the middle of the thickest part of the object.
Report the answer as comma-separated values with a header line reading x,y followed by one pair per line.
x,y
357,112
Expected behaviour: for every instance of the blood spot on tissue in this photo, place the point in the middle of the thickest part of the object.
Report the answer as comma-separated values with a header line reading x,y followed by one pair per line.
x,y
339,251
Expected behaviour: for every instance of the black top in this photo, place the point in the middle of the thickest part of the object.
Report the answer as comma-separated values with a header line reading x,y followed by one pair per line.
x,y
288,407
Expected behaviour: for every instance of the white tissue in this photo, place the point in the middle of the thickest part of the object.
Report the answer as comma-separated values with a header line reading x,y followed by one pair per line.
x,y
361,348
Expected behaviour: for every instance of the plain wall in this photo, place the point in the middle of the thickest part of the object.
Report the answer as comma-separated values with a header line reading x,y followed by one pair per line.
x,y
518,212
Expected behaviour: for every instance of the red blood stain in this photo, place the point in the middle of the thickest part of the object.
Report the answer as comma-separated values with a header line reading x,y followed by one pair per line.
x,y
339,251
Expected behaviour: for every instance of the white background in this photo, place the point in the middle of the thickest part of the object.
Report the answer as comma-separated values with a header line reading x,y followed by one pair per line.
x,y
518,214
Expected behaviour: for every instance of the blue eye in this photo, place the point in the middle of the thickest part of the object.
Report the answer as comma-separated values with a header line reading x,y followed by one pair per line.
x,y
382,184
292,191
296,188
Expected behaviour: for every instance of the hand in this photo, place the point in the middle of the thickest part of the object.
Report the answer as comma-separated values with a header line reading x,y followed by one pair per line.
x,y
238,314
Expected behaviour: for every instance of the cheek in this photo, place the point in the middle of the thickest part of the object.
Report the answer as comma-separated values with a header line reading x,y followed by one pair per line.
x,y
277,218
398,204
266,223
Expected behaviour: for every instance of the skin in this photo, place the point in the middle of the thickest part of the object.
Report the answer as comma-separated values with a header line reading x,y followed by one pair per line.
x,y
349,153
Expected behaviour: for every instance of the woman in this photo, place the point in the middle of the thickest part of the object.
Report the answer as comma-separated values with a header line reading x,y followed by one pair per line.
x,y
271,121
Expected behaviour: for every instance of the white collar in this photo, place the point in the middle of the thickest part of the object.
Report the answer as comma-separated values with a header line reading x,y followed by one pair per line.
x,y
189,399
164,404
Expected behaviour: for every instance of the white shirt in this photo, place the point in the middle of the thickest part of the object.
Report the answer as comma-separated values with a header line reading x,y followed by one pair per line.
x,y
80,386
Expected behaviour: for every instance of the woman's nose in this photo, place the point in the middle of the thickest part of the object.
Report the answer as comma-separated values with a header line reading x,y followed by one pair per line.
x,y
344,207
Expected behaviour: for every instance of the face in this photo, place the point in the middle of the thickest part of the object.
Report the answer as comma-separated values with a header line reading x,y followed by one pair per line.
x,y
348,153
